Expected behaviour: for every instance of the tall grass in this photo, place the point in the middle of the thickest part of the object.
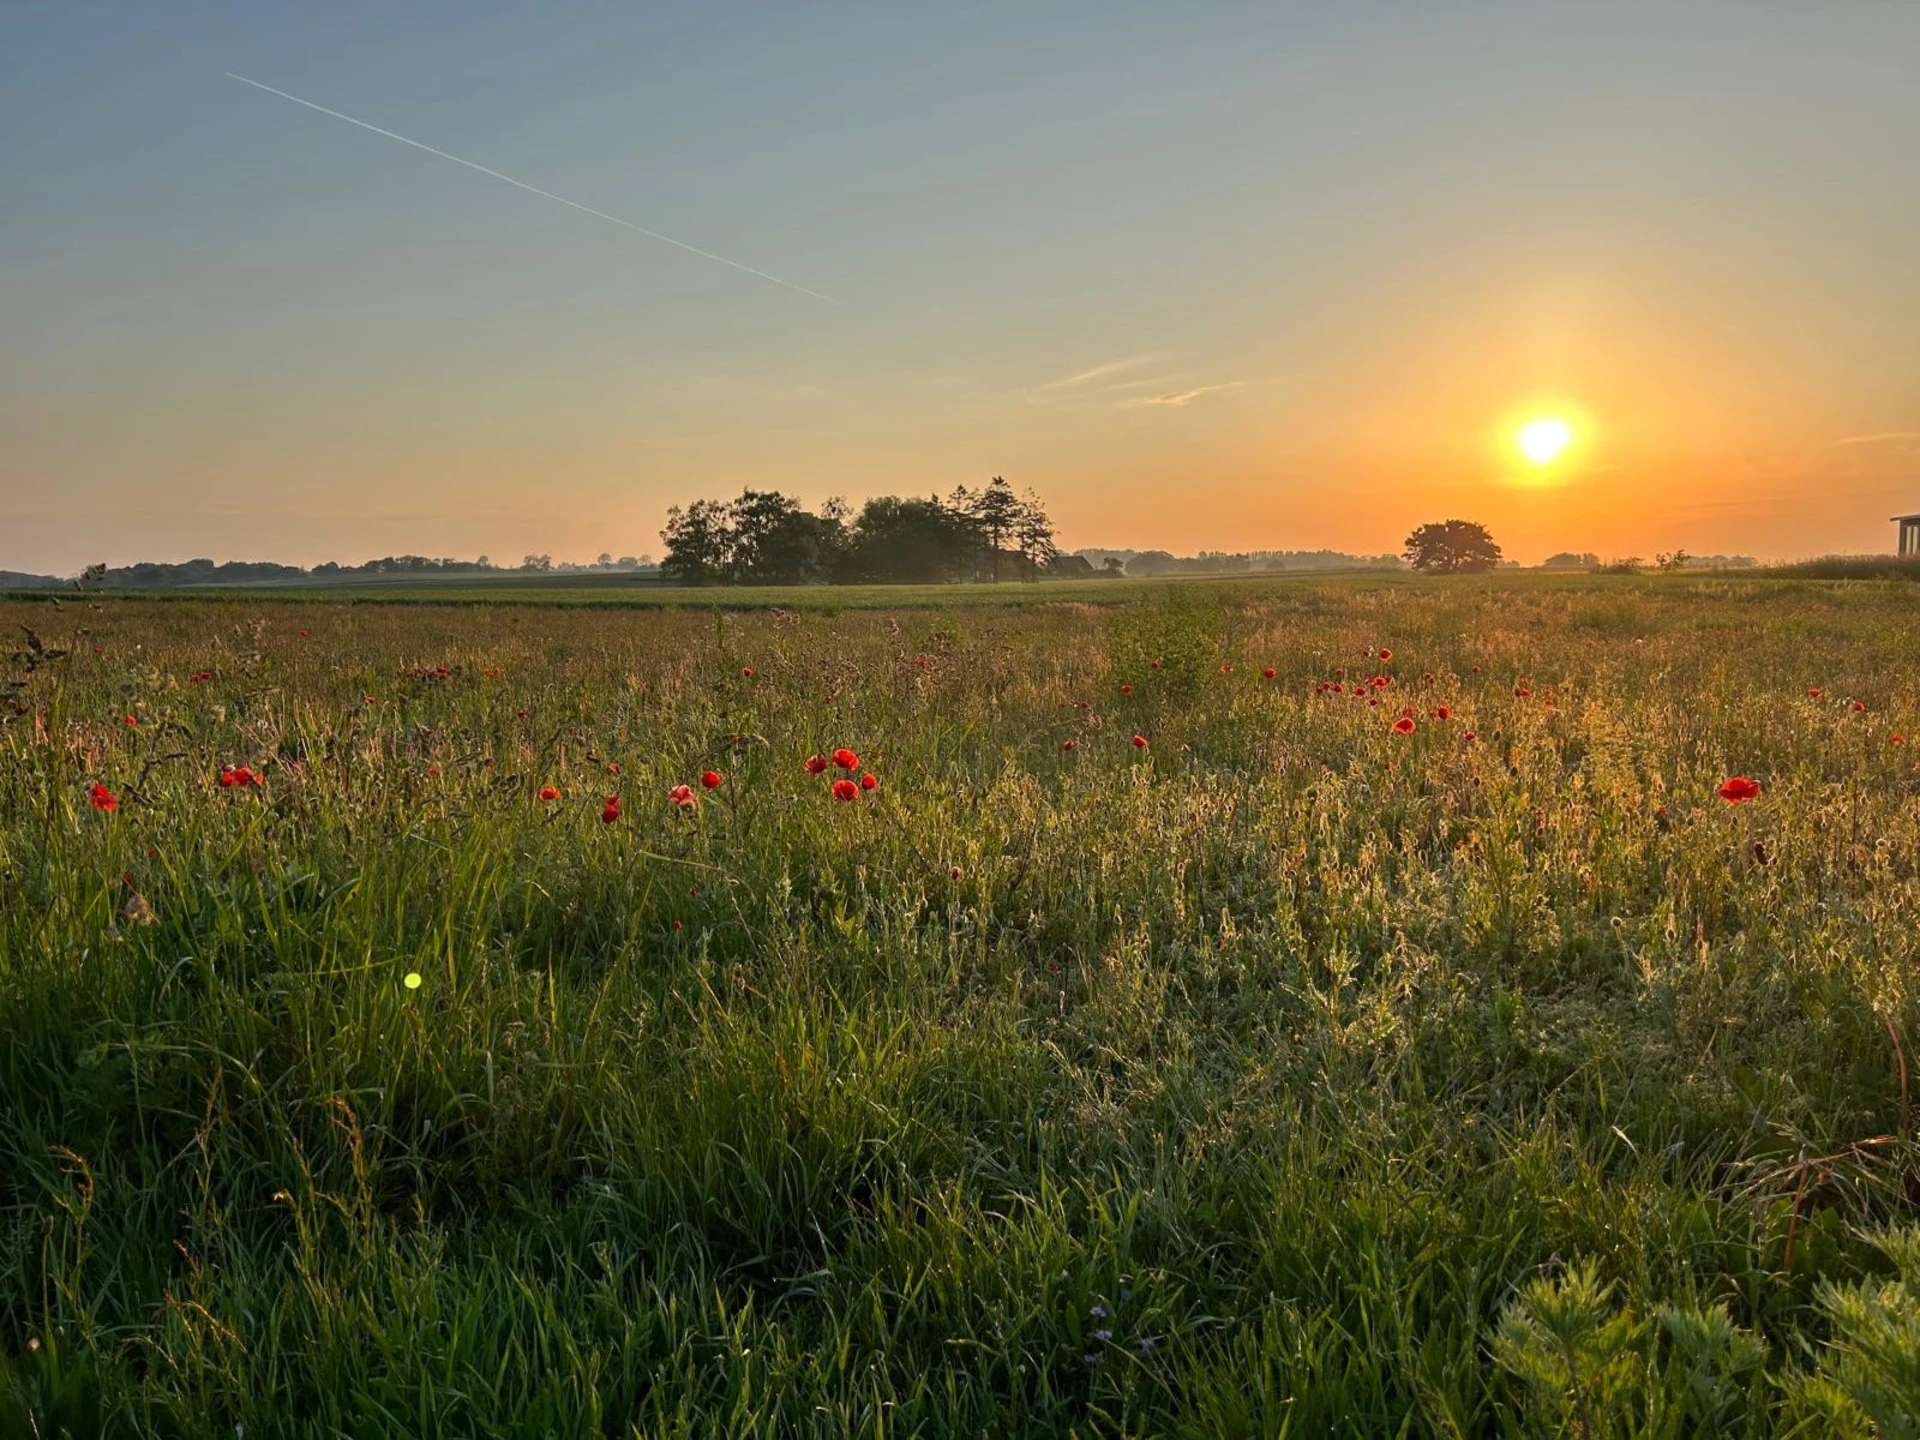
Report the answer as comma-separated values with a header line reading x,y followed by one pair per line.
x,y
1286,1075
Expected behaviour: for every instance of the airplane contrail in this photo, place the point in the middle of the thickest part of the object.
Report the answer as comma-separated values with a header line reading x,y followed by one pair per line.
x,y
536,190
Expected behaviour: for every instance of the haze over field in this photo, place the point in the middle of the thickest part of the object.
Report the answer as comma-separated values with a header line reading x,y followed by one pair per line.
x,y
1296,279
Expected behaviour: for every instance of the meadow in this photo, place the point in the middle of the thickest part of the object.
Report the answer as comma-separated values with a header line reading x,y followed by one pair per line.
x,y
1172,1041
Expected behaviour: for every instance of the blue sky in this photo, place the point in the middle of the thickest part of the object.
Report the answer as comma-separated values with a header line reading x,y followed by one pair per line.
x,y
1207,277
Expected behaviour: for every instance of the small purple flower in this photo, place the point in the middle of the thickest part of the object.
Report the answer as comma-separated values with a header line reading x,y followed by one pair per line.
x,y
1103,1336
1090,1358
1098,1312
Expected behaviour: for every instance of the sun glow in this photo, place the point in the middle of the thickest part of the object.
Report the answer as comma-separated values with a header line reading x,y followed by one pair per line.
x,y
1542,440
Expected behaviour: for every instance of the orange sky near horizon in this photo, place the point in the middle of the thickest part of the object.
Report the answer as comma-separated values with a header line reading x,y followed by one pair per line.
x,y
1219,281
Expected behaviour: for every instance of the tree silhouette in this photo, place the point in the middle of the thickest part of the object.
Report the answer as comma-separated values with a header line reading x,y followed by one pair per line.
x,y
699,543
1034,531
1452,547
997,511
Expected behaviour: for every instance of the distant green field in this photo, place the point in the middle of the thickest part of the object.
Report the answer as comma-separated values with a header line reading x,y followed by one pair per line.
x,y
1412,1040
598,590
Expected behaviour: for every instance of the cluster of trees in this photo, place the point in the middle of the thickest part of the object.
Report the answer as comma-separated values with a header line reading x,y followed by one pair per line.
x,y
766,538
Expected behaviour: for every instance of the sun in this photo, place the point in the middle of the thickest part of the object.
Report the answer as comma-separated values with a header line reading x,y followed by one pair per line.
x,y
1542,440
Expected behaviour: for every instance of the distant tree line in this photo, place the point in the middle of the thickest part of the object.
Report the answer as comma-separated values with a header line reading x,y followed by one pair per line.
x,y
1675,560
767,538
153,575
1147,563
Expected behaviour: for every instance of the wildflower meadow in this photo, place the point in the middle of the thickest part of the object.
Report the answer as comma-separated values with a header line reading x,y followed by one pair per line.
x,y
1311,1007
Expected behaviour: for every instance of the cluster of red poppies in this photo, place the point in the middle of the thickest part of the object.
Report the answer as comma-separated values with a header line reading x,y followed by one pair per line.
x,y
239,777
844,787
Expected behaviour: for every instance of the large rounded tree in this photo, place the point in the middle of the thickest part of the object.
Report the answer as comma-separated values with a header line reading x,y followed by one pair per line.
x,y
1452,547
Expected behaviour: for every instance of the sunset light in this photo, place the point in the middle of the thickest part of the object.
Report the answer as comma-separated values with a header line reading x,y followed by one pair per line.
x,y
1138,686
1542,440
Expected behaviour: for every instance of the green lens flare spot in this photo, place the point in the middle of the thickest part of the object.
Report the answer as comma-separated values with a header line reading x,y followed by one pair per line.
x,y
412,981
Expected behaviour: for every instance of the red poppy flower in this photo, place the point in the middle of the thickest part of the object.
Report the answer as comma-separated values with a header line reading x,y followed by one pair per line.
x,y
846,759
1126,689
103,799
548,792
613,767
682,795
1269,672
1442,712
816,764
1386,654
433,772
1739,788
1404,725
1359,689
678,926
1156,665
1071,745
1859,706
845,789
1381,682
869,781
303,634
746,672
954,873
1427,676
1468,738
709,779
1523,692
237,777
132,720
1341,671
1476,669
1814,692
1139,742
610,812
920,660
1896,738
1226,669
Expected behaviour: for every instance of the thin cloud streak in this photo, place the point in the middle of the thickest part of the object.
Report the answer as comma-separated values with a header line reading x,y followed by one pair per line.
x,y
1181,398
1879,438
1112,367
536,190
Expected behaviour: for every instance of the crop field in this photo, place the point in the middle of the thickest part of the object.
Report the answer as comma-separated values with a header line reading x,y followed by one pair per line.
x,y
1335,1007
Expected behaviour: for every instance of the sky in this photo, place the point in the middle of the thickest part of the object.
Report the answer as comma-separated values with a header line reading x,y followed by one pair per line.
x,y
1205,277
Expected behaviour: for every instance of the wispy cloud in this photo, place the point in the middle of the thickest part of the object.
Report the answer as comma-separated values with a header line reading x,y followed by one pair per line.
x,y
1179,398
1878,438
543,194
1147,383
1112,367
